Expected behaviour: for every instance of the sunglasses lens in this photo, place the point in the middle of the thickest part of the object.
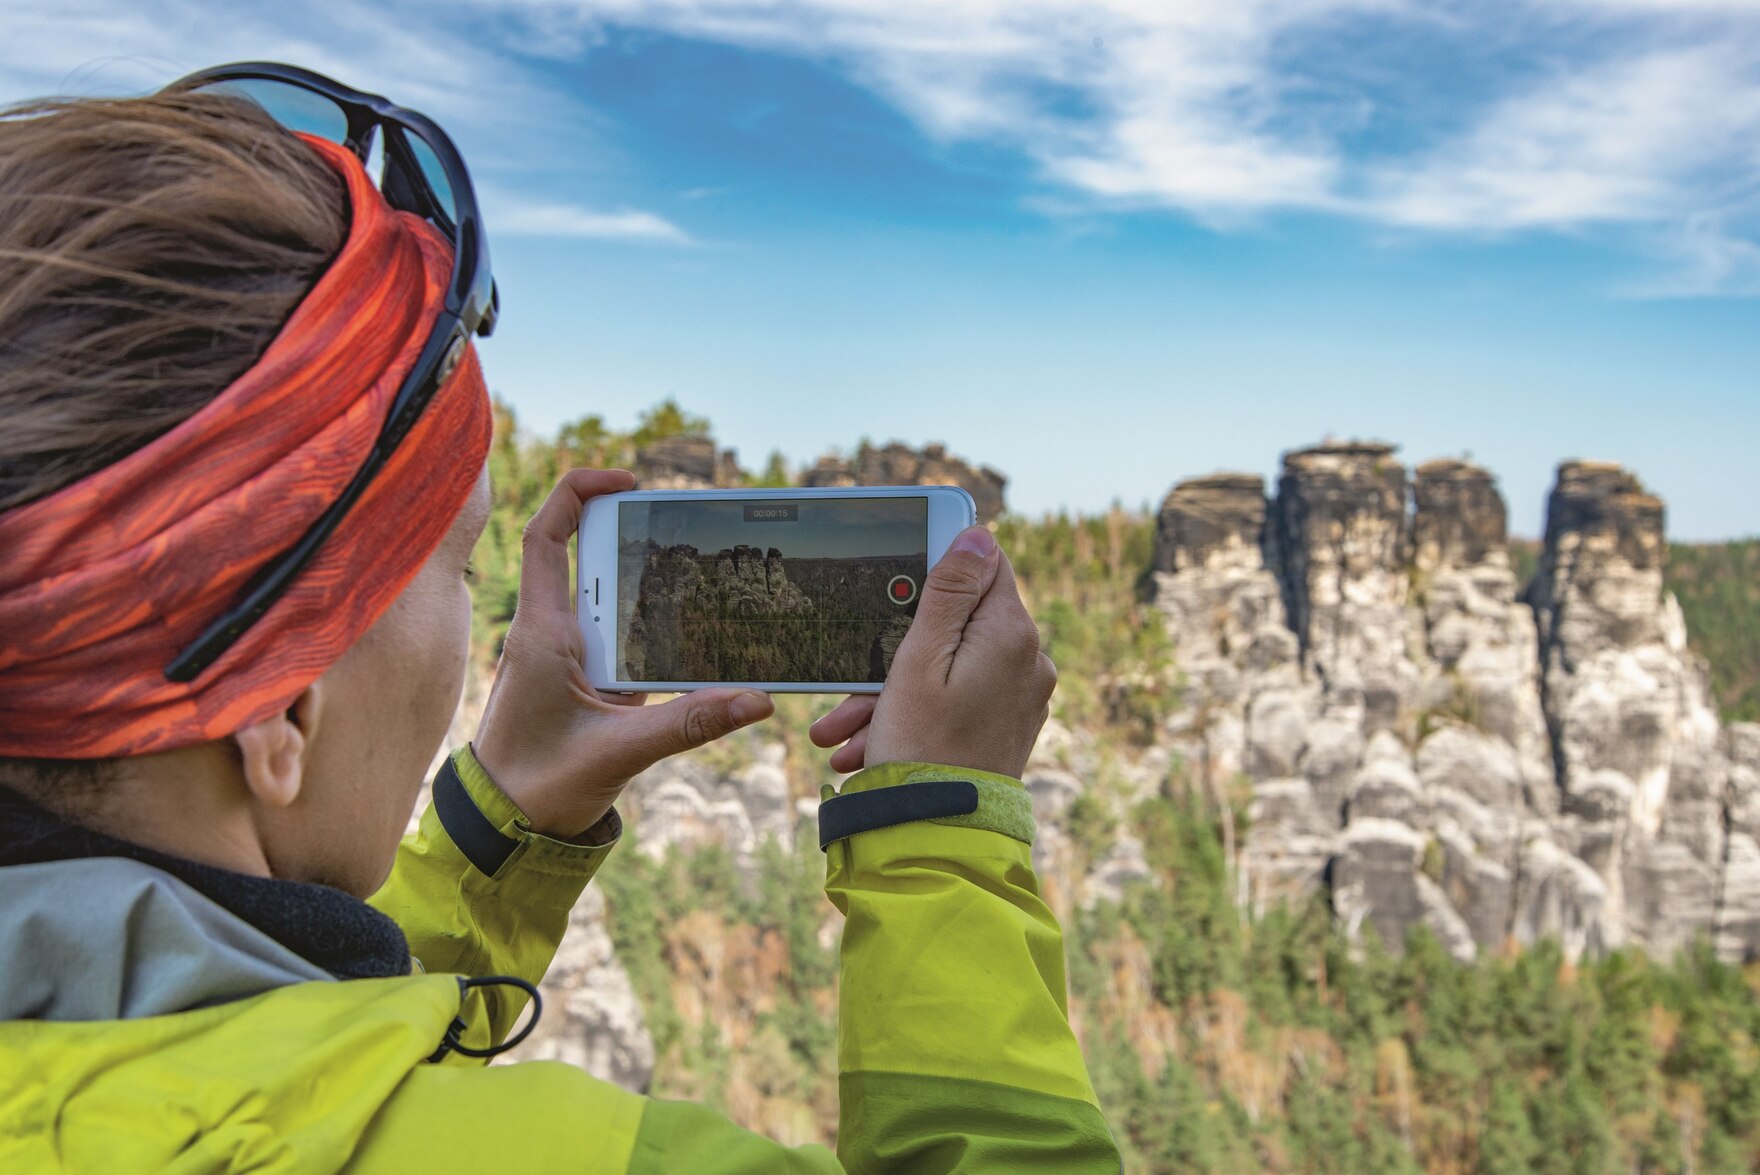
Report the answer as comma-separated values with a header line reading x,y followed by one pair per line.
x,y
292,106
435,174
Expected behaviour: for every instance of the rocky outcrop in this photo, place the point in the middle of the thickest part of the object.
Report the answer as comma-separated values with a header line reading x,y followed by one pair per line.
x,y
1636,746
592,1016
1339,544
1738,904
1433,749
688,802
753,582
692,609
686,463
1211,522
1458,517
1224,611
897,464
694,463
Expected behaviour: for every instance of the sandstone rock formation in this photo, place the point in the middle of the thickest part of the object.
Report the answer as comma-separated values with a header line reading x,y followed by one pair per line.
x,y
694,463
688,605
1640,767
687,802
1432,749
686,463
897,464
1738,899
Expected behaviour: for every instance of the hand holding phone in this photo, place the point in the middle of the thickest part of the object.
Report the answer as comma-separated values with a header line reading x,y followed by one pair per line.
x,y
969,685
556,746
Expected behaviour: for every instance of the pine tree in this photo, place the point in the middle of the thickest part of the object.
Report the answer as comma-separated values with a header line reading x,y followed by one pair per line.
x,y
1506,1142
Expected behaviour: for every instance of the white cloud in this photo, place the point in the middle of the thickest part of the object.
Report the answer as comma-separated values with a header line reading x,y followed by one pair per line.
x,y
1699,258
1638,117
1637,114
522,218
1637,141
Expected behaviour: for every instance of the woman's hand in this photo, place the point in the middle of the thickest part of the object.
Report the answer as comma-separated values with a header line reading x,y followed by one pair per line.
x,y
557,747
968,686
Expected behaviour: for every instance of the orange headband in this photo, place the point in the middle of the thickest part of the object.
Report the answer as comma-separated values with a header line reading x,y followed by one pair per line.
x,y
102,582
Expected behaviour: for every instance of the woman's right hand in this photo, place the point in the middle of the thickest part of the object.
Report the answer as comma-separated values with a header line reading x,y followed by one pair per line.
x,y
560,749
968,687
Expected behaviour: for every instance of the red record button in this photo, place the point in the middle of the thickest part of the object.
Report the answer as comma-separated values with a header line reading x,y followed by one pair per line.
x,y
902,589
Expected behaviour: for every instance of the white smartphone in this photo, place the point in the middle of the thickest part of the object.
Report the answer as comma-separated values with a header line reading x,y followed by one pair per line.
x,y
805,591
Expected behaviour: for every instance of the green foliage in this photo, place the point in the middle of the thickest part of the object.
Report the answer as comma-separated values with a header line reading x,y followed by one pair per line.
x,y
641,899
1188,921
1718,586
1384,1062
791,900
1090,825
1524,560
1513,1063
1083,579
591,443
776,475
645,901
667,419
1506,1142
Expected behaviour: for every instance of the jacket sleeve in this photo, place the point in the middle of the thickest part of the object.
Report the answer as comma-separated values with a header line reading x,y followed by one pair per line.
x,y
955,1051
478,893
954,1046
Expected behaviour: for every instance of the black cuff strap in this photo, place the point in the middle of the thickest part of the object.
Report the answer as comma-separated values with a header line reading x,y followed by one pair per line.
x,y
479,840
865,811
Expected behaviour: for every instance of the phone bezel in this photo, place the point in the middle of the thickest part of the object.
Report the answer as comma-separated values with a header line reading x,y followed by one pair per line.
x,y
950,510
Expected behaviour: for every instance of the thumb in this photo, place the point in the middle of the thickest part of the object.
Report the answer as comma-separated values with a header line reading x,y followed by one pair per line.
x,y
692,719
951,594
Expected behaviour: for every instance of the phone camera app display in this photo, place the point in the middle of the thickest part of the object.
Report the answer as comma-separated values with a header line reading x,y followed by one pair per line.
x,y
815,590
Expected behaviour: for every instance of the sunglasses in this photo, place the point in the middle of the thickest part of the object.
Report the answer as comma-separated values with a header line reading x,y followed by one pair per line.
x,y
422,173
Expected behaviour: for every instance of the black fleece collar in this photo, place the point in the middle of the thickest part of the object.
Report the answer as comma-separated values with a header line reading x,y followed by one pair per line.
x,y
326,927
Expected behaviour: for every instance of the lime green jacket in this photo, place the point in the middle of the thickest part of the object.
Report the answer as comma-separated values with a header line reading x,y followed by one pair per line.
x,y
955,1052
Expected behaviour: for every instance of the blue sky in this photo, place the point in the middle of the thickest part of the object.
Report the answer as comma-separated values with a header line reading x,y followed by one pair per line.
x,y
1100,245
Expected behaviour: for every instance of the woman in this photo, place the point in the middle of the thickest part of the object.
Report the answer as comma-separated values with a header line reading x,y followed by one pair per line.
x,y
242,472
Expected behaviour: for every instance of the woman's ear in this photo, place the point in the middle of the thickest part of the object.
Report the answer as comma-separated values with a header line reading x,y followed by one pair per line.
x,y
274,750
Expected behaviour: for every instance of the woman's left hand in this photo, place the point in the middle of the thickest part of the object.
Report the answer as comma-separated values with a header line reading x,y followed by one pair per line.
x,y
557,747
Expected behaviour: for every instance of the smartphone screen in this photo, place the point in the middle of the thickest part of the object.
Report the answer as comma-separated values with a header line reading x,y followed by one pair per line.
x,y
766,589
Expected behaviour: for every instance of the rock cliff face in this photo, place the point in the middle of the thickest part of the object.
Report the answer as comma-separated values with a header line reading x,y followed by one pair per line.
x,y
1640,767
1427,747
897,464
686,463
686,803
689,603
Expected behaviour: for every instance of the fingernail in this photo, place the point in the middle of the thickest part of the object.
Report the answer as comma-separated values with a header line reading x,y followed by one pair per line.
x,y
749,707
976,539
